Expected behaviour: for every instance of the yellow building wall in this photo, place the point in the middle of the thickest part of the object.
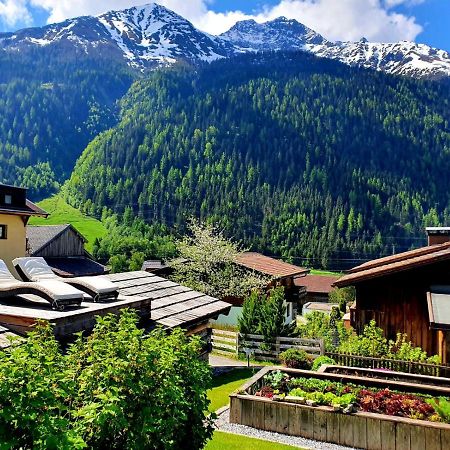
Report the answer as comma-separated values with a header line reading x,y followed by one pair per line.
x,y
15,243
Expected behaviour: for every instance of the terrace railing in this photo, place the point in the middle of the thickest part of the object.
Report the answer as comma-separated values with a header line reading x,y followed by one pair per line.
x,y
396,365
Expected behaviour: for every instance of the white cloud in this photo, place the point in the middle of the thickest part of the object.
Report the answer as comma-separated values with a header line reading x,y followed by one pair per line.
x,y
335,19
14,11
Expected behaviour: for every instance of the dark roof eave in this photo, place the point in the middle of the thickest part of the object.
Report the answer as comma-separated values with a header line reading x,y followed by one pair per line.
x,y
399,266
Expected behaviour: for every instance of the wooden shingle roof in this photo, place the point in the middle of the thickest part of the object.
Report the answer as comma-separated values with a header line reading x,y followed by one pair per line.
x,y
40,236
269,266
317,284
172,305
396,263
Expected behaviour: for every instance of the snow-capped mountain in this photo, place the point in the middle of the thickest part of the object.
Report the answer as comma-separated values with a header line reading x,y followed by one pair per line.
x,y
146,36
278,34
401,58
151,36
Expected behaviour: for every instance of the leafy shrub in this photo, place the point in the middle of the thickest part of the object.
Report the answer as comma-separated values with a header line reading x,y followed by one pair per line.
x,y
114,390
296,359
370,343
317,326
403,349
320,361
342,296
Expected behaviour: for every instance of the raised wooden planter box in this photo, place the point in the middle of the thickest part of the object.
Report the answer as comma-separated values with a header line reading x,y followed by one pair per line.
x,y
361,430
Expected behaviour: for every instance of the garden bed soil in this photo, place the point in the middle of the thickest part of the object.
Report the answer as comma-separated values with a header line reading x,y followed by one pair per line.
x,y
361,430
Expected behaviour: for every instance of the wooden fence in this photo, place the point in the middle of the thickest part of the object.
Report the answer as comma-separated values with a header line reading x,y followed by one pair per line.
x,y
232,343
224,342
396,365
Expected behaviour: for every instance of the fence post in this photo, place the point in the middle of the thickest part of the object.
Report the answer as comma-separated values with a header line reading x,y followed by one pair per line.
x,y
237,344
277,347
322,347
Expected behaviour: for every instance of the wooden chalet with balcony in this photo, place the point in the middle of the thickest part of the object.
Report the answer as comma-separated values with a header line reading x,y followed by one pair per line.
x,y
407,293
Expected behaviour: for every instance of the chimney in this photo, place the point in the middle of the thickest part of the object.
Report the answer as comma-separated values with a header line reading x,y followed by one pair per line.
x,y
438,235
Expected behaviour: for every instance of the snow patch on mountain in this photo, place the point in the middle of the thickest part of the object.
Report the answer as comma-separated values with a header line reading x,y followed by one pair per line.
x,y
151,36
400,58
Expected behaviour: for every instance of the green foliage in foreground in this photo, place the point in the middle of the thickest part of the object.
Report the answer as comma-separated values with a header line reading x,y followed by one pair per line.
x,y
62,213
116,389
227,441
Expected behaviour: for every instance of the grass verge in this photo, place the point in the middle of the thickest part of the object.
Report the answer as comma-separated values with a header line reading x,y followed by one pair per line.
x,y
228,441
225,384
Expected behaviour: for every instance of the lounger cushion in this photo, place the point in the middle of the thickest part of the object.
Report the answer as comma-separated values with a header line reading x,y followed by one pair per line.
x,y
60,291
5,274
97,284
54,289
35,268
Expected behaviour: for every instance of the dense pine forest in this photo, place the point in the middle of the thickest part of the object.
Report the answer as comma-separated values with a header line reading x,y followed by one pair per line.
x,y
296,156
50,109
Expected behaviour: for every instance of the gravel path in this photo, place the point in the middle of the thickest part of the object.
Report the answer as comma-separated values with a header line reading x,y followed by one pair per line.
x,y
223,424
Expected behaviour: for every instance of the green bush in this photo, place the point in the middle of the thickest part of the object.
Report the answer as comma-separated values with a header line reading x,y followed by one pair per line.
x,y
296,359
370,343
321,360
317,326
248,321
116,389
266,315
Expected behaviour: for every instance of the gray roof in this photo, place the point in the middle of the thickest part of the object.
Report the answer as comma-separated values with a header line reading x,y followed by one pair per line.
x,y
172,305
40,236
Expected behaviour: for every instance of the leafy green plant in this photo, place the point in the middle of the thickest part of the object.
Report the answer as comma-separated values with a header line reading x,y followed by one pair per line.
x,y
403,349
370,343
296,359
276,379
116,389
320,361
317,326
442,406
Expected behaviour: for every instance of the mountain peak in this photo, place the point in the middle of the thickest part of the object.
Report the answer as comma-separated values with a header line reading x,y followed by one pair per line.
x,y
152,35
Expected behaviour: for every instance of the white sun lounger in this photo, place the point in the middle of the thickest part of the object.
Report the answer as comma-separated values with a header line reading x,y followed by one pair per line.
x,y
37,269
58,294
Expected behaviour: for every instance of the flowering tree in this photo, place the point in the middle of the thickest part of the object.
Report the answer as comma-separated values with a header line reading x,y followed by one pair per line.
x,y
207,264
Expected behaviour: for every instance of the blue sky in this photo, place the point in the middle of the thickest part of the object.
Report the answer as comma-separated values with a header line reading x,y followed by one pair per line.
x,y
426,21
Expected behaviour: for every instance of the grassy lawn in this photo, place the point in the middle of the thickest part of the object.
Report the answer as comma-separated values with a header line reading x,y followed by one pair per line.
x,y
228,441
225,384
61,213
324,272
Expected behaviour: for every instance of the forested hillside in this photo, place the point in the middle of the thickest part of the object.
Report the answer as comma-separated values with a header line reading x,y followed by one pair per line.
x,y
296,156
50,108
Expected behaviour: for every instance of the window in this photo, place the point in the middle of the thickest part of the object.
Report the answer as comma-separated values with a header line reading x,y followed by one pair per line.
x,y
3,229
8,199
